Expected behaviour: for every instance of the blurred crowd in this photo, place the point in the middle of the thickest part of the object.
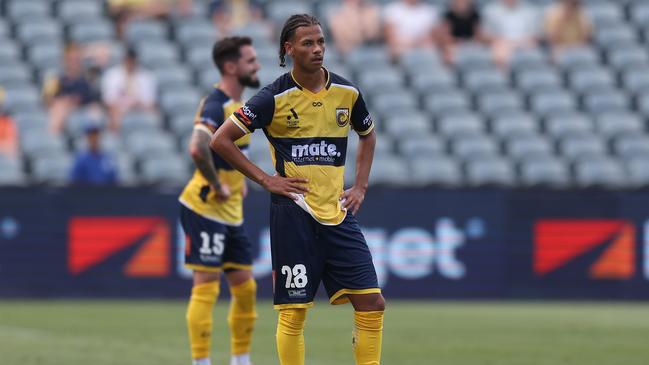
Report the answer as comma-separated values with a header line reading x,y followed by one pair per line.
x,y
108,93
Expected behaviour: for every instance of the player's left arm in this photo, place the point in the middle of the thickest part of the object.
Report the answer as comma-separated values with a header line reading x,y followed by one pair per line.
x,y
362,123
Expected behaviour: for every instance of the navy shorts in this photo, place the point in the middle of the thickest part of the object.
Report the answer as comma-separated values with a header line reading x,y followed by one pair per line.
x,y
214,246
306,252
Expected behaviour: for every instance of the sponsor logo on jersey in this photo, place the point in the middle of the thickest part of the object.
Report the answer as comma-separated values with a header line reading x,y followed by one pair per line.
x,y
603,249
342,116
322,152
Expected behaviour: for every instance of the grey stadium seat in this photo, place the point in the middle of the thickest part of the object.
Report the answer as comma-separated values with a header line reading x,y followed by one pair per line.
x,y
145,31
636,79
13,73
613,124
139,121
9,52
179,99
544,172
389,170
492,171
638,173
439,103
527,147
31,120
94,30
614,36
12,172
437,80
52,169
41,32
409,124
548,103
168,170
469,147
628,57
514,124
601,172
394,102
582,147
150,143
20,10
538,79
46,56
279,11
631,146
419,61
484,80
126,175
154,54
587,79
603,101
460,124
528,58
435,170
196,32
172,77
108,142
22,99
603,13
40,143
388,78
499,103
471,57
421,146
365,58
577,57
569,124
73,11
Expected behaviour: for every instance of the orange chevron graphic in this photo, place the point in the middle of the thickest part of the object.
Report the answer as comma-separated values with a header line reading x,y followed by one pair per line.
x,y
92,240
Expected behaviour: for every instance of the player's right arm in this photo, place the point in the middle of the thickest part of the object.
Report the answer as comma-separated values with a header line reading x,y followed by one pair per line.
x,y
223,144
199,149
257,113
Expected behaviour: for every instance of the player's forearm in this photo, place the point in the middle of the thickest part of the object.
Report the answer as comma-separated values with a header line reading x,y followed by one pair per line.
x,y
364,158
202,157
233,155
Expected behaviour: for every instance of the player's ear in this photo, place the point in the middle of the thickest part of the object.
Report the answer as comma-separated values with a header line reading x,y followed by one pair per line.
x,y
288,46
230,67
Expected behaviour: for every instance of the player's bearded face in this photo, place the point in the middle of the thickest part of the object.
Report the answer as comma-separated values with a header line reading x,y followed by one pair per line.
x,y
248,67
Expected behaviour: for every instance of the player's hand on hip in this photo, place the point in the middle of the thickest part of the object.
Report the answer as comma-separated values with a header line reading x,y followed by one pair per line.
x,y
287,186
352,198
222,192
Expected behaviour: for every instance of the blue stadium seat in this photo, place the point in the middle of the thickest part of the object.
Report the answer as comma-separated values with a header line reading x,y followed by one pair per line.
x,y
470,147
435,171
582,147
528,147
389,170
52,169
545,172
568,124
460,124
614,124
168,170
514,124
600,172
73,11
490,171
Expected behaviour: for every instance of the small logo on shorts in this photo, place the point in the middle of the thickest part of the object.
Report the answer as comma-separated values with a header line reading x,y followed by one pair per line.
x,y
342,116
297,293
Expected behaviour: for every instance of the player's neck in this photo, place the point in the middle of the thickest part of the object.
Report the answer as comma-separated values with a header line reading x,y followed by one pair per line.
x,y
312,81
231,87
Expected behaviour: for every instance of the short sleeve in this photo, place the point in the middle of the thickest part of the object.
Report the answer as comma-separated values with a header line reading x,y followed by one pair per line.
x,y
256,113
209,114
361,118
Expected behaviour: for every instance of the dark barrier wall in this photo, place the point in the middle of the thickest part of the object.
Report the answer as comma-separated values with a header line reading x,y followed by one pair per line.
x,y
425,243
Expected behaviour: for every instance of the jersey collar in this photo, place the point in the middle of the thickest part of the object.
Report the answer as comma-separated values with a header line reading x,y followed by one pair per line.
x,y
319,94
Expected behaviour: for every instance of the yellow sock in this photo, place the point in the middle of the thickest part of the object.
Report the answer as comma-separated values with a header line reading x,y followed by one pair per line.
x,y
290,336
242,315
366,340
199,318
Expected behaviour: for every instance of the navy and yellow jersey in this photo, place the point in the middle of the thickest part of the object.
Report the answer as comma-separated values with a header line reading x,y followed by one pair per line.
x,y
308,136
197,195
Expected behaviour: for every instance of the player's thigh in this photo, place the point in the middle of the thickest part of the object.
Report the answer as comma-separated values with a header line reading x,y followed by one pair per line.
x,y
349,268
297,259
204,241
238,250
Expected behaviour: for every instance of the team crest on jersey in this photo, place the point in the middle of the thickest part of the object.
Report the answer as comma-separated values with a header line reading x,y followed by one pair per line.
x,y
342,116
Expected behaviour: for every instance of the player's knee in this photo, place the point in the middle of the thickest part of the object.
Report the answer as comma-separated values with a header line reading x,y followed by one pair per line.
x,y
378,304
291,321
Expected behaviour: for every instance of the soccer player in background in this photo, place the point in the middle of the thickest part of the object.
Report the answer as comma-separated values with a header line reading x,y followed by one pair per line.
x,y
212,212
306,115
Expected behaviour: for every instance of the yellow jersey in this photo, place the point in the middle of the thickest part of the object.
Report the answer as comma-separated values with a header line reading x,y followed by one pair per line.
x,y
308,136
198,195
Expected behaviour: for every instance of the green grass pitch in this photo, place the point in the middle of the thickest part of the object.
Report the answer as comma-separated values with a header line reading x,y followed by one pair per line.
x,y
416,333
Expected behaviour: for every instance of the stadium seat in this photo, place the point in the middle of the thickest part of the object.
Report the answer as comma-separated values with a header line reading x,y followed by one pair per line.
x,y
93,30
139,121
544,172
52,169
537,79
614,124
553,102
21,10
582,147
171,77
31,119
490,171
39,143
473,57
600,172
469,147
407,125
108,142
169,170
22,99
638,174
528,146
528,58
568,124
496,103
636,79
484,80
612,37
419,61
389,170
439,103
13,73
588,79
42,32
9,52
394,102
196,32
126,175
606,101
424,145
73,11
46,56
153,54
514,124
629,146
368,58
460,124
628,57
437,80
144,31
175,99
574,58
11,175
604,13
279,11
434,170
372,82
149,143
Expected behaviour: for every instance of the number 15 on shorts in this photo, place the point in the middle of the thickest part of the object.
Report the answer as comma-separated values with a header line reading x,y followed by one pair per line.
x,y
295,276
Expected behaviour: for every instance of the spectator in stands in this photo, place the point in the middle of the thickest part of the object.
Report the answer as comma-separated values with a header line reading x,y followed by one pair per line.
x,y
69,91
461,24
229,15
354,23
124,11
566,25
128,87
93,166
8,131
511,25
409,24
